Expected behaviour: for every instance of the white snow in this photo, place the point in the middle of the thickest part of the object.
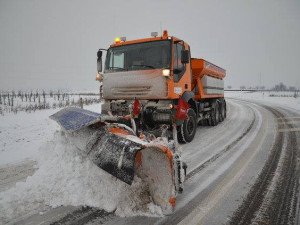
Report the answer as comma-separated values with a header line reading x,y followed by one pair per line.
x,y
65,176
23,133
283,99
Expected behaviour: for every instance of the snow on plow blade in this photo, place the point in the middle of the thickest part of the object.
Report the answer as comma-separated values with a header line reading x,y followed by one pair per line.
x,y
120,153
155,166
116,155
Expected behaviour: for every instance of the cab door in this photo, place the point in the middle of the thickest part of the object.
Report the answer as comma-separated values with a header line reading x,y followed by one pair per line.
x,y
181,81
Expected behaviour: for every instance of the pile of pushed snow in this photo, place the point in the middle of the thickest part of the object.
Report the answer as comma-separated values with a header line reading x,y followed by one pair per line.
x,y
67,177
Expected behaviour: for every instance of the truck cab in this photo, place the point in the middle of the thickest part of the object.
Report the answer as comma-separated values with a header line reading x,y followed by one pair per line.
x,y
158,72
153,68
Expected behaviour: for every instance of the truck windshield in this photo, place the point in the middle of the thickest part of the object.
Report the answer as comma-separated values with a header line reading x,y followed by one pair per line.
x,y
142,56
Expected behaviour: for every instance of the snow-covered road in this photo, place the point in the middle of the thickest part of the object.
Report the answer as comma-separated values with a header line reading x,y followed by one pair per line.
x,y
226,165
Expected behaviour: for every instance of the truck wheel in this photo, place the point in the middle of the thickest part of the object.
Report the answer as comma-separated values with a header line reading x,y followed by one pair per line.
x,y
209,121
215,115
187,131
202,122
225,112
222,111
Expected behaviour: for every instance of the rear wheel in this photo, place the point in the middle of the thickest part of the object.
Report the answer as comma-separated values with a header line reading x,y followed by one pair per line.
x,y
222,111
215,114
202,122
225,112
187,131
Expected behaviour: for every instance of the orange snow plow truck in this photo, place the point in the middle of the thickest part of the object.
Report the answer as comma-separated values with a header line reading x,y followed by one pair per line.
x,y
154,95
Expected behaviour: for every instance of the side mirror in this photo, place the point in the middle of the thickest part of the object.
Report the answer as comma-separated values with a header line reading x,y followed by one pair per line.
x,y
99,54
99,61
185,56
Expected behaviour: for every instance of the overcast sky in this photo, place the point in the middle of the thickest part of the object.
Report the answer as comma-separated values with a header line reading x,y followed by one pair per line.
x,y
53,44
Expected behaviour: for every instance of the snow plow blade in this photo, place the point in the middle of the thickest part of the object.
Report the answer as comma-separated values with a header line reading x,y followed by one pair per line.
x,y
72,119
114,154
117,150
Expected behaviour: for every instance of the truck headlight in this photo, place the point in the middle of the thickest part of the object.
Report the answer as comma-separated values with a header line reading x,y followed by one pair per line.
x,y
99,77
166,72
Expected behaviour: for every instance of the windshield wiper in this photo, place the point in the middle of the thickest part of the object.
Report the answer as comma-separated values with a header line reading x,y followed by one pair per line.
x,y
114,67
152,67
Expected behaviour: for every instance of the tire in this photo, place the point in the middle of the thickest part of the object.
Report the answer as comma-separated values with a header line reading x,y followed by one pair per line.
x,y
215,114
201,123
187,131
209,123
221,111
225,110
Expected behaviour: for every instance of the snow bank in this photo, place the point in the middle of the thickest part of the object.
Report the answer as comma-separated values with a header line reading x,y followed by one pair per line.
x,y
67,177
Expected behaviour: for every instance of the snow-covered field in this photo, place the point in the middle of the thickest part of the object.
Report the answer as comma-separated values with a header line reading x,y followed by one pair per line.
x,y
14,102
285,99
22,134
64,176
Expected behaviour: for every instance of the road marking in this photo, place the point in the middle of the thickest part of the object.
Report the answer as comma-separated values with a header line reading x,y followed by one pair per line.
x,y
294,129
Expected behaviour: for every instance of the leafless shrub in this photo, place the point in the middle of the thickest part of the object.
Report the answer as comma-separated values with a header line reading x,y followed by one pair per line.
x,y
16,101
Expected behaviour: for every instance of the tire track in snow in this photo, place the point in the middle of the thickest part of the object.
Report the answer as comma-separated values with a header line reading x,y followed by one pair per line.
x,y
219,154
210,140
205,190
280,208
10,175
83,216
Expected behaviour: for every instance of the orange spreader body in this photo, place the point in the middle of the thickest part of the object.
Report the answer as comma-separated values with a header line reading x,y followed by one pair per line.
x,y
201,67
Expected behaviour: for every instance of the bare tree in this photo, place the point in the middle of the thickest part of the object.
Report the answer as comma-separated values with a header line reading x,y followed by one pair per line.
x,y
280,87
8,98
292,88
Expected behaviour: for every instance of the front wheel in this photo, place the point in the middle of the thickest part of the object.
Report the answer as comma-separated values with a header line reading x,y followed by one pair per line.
x,y
187,131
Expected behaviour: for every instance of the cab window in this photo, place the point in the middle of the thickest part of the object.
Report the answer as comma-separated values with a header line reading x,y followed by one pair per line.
x,y
117,60
179,67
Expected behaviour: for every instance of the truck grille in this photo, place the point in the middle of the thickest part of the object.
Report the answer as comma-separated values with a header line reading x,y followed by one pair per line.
x,y
131,91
